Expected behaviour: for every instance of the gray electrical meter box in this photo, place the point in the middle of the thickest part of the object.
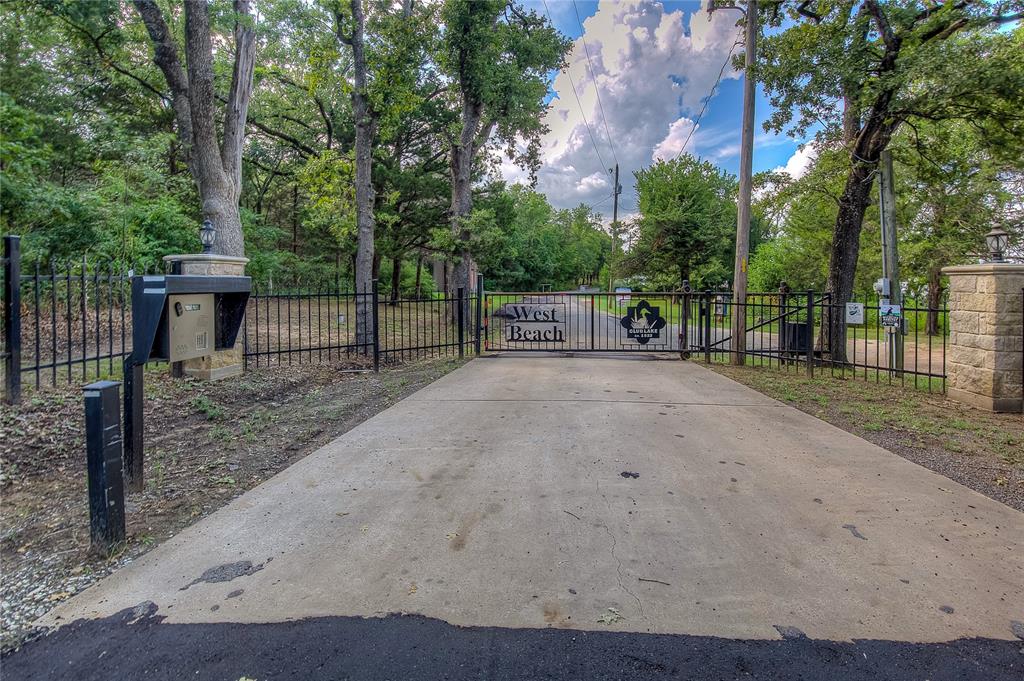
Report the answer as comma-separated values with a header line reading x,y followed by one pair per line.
x,y
190,321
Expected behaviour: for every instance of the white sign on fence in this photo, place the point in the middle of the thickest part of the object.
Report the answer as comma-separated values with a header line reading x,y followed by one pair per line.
x,y
855,313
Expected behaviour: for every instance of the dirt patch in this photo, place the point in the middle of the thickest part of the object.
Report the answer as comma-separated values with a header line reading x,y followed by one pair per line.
x,y
978,449
206,443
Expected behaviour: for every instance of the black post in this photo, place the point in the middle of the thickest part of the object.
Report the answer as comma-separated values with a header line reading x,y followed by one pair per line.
x,y
12,319
684,325
810,334
376,330
706,309
460,298
593,304
479,312
133,425
103,459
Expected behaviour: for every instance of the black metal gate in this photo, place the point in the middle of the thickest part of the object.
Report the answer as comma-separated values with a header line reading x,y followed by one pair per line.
x,y
584,321
695,323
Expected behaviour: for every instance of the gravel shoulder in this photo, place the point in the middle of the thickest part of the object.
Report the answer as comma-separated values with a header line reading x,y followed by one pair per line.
x,y
980,450
206,444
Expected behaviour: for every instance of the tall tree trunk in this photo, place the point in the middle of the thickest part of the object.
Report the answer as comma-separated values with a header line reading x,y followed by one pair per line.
x,y
419,275
216,167
462,193
935,290
365,125
842,264
396,279
295,219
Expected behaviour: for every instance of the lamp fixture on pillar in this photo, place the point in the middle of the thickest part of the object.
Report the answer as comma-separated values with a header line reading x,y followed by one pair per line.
x,y
207,234
997,240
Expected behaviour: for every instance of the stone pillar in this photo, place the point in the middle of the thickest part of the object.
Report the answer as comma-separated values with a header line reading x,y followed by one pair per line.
x,y
986,340
224,363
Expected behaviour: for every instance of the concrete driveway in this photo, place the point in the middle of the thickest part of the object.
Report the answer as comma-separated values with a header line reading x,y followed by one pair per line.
x,y
638,494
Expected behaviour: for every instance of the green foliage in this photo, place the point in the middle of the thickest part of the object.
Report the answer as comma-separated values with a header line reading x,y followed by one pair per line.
x,y
951,188
500,55
687,224
520,242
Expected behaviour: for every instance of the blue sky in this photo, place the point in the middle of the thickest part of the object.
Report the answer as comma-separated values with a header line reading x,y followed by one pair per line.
x,y
652,64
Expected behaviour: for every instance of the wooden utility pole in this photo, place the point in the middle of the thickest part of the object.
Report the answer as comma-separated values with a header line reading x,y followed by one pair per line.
x,y
890,254
615,226
615,197
738,338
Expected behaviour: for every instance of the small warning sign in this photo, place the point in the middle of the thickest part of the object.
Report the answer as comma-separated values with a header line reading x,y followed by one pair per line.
x,y
890,316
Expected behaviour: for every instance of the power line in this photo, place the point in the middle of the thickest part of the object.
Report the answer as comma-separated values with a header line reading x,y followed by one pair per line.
x,y
593,75
600,202
593,140
707,99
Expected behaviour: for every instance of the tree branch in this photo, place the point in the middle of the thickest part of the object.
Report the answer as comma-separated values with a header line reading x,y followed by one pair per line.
x,y
240,93
165,56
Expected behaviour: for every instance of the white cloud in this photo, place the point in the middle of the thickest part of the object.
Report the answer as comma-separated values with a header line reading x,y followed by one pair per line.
x,y
679,133
652,72
800,162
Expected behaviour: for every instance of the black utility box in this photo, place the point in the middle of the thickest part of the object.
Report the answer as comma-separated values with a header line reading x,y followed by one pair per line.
x,y
795,338
182,316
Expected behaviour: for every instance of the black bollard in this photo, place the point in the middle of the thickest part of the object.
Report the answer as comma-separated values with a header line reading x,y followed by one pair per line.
x,y
104,463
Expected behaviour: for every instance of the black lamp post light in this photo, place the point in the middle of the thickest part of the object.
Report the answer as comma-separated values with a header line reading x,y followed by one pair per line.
x,y
207,234
997,240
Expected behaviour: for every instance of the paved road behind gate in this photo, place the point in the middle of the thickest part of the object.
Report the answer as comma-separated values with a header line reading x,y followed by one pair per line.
x,y
614,494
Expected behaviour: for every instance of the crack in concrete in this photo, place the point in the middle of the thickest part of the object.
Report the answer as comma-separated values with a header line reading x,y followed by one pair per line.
x,y
618,561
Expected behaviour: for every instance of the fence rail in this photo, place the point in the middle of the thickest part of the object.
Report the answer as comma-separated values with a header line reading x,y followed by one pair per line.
x,y
791,332
73,323
69,324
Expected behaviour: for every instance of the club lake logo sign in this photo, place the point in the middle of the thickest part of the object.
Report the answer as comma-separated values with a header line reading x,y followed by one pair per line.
x,y
642,322
534,322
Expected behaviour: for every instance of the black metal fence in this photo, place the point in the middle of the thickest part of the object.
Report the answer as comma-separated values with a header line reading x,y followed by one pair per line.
x,y
65,323
72,324
792,332
306,327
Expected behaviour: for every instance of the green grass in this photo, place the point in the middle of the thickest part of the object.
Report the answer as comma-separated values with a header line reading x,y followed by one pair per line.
x,y
207,407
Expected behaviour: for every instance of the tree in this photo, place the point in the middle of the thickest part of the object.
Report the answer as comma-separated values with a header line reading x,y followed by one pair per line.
x,y
216,166
366,127
860,70
686,225
498,57
954,189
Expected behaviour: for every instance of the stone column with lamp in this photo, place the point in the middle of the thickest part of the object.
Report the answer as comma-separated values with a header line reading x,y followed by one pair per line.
x,y
223,363
986,323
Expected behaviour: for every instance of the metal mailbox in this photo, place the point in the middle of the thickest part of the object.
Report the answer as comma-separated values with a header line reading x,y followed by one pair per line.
x,y
175,317
185,316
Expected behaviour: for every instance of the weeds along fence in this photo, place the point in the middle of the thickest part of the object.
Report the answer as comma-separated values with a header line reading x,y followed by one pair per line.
x,y
71,323
795,332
